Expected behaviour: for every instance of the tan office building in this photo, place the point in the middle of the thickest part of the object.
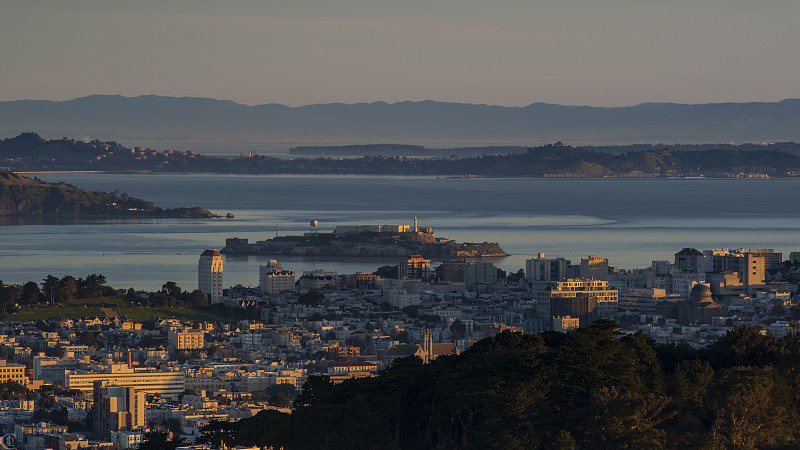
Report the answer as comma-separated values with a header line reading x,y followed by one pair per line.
x,y
165,384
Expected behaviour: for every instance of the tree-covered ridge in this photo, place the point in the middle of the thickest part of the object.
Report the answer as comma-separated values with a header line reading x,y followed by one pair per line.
x,y
589,388
29,152
22,196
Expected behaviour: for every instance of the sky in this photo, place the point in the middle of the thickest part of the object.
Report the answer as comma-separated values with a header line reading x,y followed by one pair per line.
x,y
504,52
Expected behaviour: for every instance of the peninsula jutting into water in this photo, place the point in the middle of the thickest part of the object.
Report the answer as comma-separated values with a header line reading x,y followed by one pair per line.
x,y
28,197
365,240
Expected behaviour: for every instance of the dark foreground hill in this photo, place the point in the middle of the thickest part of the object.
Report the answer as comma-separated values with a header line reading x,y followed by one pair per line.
x,y
588,389
159,121
24,197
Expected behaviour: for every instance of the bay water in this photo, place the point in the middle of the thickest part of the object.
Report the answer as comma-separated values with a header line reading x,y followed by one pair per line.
x,y
629,221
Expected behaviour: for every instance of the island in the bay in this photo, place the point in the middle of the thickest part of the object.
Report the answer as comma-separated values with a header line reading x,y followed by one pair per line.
x,y
365,240
29,197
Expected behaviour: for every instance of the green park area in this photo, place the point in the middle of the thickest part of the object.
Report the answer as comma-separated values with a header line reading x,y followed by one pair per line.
x,y
90,297
137,313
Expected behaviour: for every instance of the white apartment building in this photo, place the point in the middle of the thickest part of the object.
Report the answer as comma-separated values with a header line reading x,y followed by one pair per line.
x,y
546,269
209,275
273,279
165,384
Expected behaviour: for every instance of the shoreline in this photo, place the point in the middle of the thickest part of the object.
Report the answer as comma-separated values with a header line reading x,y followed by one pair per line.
x,y
437,177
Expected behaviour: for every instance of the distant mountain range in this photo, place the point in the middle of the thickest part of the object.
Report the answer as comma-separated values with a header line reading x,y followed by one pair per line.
x,y
179,122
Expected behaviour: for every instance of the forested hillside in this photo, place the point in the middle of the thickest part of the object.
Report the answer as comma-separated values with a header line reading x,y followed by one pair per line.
x,y
589,388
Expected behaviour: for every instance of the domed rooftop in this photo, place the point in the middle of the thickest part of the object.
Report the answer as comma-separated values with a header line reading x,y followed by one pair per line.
x,y
700,293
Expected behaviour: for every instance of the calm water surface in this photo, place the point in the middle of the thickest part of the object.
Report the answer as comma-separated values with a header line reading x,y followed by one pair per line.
x,y
629,221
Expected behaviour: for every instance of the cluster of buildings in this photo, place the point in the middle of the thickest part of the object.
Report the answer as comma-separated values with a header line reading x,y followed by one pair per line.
x,y
177,376
168,376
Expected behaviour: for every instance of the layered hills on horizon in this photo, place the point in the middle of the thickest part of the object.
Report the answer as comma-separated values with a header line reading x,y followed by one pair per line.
x,y
173,121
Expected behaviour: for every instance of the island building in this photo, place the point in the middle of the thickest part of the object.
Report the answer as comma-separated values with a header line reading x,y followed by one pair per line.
x,y
117,408
356,229
273,279
165,384
209,275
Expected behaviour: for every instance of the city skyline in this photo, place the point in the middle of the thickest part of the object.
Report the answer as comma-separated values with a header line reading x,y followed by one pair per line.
x,y
511,54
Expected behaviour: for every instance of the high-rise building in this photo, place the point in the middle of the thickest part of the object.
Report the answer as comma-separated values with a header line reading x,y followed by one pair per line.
x,y
117,408
720,260
582,308
209,275
689,260
594,268
453,271
754,272
479,272
607,298
772,259
273,279
414,268
546,269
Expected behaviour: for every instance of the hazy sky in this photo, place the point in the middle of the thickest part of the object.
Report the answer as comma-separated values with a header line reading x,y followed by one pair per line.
x,y
503,52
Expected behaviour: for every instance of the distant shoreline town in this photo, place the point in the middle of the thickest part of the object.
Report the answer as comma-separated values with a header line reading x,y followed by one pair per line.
x,y
29,153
